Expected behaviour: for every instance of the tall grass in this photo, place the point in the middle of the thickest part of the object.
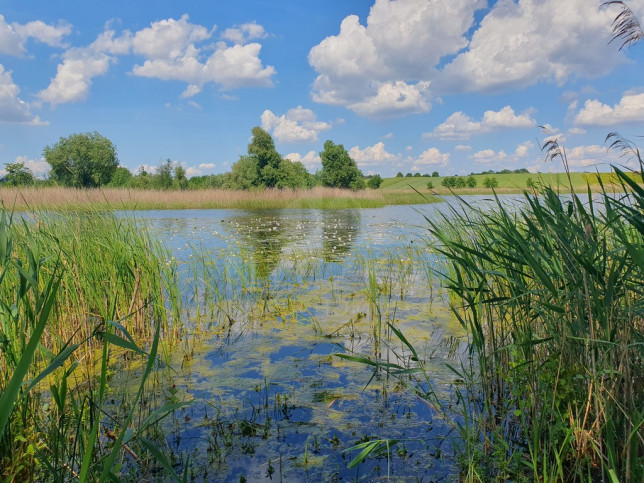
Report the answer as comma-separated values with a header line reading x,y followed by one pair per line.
x,y
72,286
552,297
71,199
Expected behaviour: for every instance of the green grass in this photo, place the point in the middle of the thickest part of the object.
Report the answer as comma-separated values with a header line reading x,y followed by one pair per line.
x,y
72,287
516,182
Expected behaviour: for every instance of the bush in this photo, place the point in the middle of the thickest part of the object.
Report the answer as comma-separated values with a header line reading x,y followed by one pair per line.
x,y
374,182
490,182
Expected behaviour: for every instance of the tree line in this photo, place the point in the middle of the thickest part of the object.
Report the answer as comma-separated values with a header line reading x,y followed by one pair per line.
x,y
89,160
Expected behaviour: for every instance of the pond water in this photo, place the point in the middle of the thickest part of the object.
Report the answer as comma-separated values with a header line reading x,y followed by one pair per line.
x,y
270,300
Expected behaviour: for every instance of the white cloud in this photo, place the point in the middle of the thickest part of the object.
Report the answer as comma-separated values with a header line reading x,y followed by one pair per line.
x,y
297,125
12,108
460,126
525,42
389,135
207,166
244,33
523,149
74,76
488,156
395,98
14,36
192,171
310,160
397,50
170,50
430,157
462,147
585,157
376,154
629,109
576,130
169,47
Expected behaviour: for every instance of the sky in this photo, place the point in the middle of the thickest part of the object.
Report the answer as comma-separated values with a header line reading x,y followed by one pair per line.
x,y
454,86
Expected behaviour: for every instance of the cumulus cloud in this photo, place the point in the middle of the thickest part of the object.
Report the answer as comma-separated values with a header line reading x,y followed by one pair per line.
x,y
395,98
14,36
171,51
12,108
430,157
585,157
460,126
489,156
376,154
310,160
394,53
629,109
521,43
244,33
297,125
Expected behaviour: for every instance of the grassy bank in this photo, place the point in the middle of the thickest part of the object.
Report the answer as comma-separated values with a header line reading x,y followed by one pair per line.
x,y
69,199
511,183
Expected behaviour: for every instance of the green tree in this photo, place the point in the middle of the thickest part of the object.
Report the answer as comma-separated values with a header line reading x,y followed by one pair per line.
x,y
82,160
18,174
435,174
163,178
430,185
374,182
408,175
399,175
293,174
338,169
121,177
262,149
490,182
244,174
471,182
180,180
449,182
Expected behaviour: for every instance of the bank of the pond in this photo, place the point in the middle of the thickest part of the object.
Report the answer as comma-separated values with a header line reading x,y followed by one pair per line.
x,y
71,199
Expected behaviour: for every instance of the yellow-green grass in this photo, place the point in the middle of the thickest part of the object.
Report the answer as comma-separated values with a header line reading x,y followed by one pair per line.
x,y
71,199
507,183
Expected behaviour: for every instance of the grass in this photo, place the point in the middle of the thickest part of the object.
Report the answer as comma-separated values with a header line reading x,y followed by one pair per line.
x,y
73,287
552,300
508,183
69,199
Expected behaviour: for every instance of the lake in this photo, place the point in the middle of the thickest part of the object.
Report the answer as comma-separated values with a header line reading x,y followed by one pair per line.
x,y
271,298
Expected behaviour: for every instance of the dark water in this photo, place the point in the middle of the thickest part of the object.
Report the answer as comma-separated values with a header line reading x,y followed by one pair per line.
x,y
271,299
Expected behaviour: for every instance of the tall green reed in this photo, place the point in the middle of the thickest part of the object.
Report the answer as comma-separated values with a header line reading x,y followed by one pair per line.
x,y
551,296
59,301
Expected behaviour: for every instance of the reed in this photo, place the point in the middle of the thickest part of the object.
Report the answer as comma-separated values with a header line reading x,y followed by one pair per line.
x,y
72,286
551,296
71,199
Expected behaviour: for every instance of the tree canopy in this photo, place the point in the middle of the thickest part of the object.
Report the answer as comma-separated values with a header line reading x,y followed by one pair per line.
x,y
263,167
82,160
18,174
338,169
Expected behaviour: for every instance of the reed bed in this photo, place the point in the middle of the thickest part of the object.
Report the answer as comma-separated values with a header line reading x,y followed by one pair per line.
x,y
72,287
71,199
552,298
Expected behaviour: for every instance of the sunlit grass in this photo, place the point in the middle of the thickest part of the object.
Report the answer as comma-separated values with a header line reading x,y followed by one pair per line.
x,y
70,199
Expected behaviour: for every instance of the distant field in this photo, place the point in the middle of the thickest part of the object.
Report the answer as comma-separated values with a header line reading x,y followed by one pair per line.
x,y
515,182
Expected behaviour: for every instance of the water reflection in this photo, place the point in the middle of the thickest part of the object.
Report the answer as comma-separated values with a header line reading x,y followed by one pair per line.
x,y
340,229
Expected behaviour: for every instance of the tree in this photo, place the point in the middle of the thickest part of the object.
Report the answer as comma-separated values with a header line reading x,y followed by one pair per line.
x,y
180,180
435,174
374,182
338,169
163,178
399,175
82,160
262,149
121,177
18,174
416,175
490,182
430,185
471,182
408,175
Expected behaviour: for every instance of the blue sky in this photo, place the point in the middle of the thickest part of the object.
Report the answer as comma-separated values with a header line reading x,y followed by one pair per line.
x,y
455,86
